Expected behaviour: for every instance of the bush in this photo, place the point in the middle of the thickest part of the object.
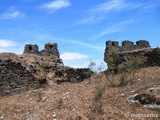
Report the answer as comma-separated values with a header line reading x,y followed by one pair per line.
x,y
110,79
123,79
60,102
136,62
98,103
155,56
112,59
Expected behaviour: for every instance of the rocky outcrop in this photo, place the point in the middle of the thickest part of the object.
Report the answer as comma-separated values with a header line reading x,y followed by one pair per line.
x,y
14,78
149,98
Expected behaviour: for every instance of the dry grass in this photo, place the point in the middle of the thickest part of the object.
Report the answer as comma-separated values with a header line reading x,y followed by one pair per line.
x,y
77,100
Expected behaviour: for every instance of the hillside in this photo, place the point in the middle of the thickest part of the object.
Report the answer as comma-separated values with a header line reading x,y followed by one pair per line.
x,y
37,85
69,101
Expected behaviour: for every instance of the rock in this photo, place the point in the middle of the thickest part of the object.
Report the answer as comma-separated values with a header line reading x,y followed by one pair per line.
x,y
144,99
148,98
50,75
14,78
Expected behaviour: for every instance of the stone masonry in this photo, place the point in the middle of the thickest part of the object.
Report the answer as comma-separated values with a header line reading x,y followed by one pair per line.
x,y
50,49
14,78
126,46
19,73
125,53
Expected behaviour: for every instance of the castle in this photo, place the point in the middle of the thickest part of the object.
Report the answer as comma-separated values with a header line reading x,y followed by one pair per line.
x,y
125,53
126,46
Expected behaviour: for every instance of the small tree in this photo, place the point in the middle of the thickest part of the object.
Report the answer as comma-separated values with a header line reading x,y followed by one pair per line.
x,y
98,103
112,60
92,65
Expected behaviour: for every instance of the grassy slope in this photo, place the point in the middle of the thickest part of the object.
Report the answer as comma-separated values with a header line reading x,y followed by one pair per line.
x,y
75,101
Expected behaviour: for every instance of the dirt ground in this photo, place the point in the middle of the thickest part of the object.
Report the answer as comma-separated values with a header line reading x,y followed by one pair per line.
x,y
68,101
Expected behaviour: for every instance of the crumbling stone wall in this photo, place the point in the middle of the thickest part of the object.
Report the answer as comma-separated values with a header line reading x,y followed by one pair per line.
x,y
73,75
60,74
14,78
30,48
124,54
126,46
50,49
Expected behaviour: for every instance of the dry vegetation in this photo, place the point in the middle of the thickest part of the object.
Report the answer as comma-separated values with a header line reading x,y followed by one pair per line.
x,y
94,99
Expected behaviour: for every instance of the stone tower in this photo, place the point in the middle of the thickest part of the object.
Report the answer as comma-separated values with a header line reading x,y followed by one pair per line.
x,y
143,44
50,49
111,45
127,45
31,49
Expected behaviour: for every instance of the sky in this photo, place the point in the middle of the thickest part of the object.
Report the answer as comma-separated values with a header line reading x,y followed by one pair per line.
x,y
79,27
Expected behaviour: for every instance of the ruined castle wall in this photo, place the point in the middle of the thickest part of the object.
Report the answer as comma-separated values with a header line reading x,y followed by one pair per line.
x,y
31,49
142,44
50,49
127,46
14,78
128,51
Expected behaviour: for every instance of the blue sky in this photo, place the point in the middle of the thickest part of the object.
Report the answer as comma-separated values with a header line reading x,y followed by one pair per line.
x,y
80,27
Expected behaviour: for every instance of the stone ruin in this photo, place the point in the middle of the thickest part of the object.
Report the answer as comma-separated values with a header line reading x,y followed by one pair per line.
x,y
56,70
19,73
126,46
14,78
124,53
50,49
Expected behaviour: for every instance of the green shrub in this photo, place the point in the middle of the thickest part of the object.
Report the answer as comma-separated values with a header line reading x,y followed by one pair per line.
x,y
123,79
98,103
60,102
136,62
155,57
112,59
110,79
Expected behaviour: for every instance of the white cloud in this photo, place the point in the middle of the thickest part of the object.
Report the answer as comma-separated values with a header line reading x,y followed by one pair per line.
x,y
73,56
90,19
85,44
98,12
76,63
115,28
6,43
57,4
11,14
150,5
75,60
112,5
